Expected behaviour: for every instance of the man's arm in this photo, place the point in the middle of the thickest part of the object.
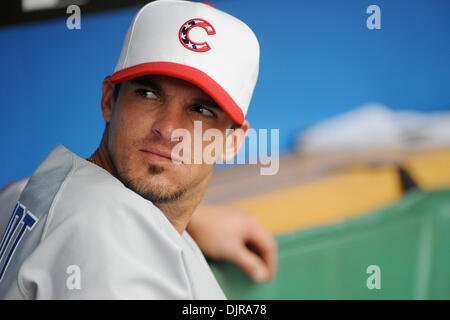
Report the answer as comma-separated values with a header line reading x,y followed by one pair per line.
x,y
229,234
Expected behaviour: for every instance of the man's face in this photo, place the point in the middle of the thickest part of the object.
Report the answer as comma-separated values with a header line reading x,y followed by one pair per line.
x,y
141,123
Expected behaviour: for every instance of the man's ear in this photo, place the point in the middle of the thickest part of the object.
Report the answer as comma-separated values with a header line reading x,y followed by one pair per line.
x,y
234,141
107,102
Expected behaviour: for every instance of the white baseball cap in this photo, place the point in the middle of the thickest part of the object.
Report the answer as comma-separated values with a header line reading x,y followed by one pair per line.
x,y
197,43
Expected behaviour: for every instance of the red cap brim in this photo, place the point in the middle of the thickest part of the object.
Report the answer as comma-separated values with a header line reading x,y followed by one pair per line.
x,y
190,74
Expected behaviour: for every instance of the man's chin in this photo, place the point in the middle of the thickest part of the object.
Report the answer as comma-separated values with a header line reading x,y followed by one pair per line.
x,y
162,198
158,192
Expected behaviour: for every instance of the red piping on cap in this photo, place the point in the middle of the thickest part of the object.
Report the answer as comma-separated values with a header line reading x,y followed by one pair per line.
x,y
190,74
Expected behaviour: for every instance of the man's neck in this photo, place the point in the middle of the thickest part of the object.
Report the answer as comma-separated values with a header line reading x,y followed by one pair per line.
x,y
101,158
179,212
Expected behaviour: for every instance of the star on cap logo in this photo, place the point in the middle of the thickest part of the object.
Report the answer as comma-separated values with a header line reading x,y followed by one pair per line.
x,y
189,43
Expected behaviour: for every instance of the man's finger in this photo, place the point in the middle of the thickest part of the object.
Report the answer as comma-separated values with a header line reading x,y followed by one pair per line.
x,y
252,264
264,245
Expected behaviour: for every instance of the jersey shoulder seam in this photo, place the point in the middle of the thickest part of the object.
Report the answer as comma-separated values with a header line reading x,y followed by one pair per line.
x,y
48,219
56,198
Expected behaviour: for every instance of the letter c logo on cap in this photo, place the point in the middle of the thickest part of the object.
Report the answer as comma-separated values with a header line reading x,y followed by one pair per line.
x,y
192,45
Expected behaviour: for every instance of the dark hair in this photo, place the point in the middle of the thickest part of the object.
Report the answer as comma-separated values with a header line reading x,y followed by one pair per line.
x,y
235,125
116,91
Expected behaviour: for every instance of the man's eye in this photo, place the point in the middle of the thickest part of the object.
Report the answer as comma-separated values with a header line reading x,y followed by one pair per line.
x,y
204,111
148,94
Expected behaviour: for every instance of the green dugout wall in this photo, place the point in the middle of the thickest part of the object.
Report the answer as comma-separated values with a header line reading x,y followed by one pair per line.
x,y
408,242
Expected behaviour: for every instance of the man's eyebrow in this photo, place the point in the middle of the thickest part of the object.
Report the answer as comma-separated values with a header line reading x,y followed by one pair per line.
x,y
147,83
143,81
207,103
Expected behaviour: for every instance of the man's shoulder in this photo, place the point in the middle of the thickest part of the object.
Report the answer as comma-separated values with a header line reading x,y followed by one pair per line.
x,y
66,187
88,218
114,236
98,198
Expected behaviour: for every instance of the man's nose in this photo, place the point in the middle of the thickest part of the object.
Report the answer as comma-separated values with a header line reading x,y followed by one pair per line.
x,y
169,118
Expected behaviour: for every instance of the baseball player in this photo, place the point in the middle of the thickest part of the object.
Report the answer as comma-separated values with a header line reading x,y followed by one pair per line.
x,y
113,226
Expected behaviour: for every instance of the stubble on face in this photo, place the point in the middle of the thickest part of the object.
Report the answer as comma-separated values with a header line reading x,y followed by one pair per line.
x,y
144,184
156,195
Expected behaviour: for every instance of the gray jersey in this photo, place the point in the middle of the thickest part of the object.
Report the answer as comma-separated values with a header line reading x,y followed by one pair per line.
x,y
73,231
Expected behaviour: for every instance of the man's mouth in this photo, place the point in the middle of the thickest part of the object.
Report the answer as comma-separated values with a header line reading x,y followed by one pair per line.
x,y
160,155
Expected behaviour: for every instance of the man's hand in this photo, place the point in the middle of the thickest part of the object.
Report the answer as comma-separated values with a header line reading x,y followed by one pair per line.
x,y
234,235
